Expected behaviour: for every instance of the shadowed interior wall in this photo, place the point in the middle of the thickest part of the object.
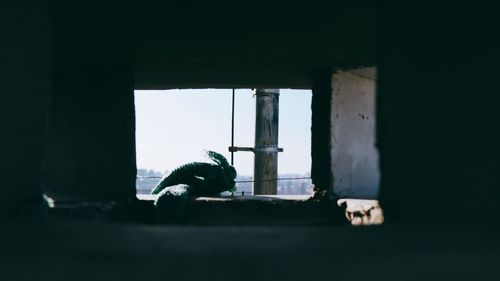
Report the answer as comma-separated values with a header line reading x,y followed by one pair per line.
x,y
437,106
25,77
437,110
90,151
321,132
262,44
91,143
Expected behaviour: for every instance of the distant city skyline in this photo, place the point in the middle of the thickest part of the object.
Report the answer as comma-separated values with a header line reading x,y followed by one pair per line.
x,y
201,120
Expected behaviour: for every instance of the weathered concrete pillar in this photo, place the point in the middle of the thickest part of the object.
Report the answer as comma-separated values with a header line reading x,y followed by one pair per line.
x,y
25,79
344,156
354,157
266,141
91,144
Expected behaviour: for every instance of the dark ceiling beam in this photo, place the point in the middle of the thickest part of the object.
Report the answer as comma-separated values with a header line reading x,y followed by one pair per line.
x,y
218,43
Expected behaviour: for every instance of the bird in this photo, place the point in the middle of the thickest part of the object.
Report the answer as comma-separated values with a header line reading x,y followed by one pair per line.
x,y
193,179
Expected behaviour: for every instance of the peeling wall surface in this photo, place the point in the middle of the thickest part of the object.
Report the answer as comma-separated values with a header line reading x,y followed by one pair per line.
x,y
353,154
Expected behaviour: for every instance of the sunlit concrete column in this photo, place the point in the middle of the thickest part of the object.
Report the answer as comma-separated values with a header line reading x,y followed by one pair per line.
x,y
24,88
354,157
344,156
91,144
266,141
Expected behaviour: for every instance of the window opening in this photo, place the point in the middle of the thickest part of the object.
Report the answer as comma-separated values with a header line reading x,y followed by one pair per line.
x,y
174,127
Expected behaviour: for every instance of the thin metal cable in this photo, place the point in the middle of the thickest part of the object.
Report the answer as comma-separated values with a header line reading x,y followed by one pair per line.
x,y
242,181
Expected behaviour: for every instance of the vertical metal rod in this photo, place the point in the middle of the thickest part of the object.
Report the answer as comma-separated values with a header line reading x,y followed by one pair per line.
x,y
232,130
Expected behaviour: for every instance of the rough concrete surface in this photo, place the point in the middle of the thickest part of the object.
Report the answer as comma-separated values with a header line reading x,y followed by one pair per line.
x,y
91,251
354,155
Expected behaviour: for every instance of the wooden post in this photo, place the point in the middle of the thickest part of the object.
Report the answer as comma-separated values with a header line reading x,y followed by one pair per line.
x,y
266,142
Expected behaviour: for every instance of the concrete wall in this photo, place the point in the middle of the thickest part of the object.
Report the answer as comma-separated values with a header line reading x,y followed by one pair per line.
x,y
25,78
320,133
437,112
354,158
91,137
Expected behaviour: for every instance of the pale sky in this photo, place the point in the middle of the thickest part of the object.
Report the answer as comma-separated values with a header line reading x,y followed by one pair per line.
x,y
174,127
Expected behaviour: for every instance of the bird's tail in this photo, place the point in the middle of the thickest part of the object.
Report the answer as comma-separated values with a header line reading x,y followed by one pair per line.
x,y
218,158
